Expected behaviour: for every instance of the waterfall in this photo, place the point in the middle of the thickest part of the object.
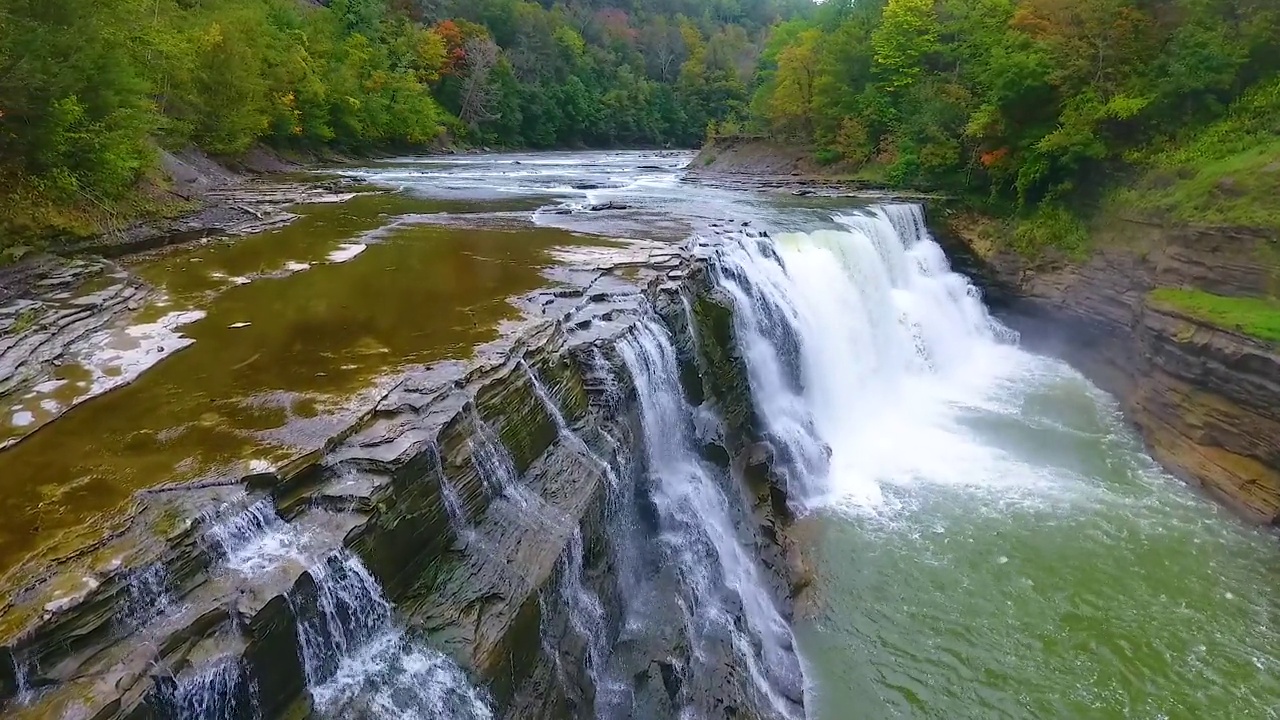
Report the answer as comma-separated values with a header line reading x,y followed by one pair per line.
x,y
359,661
718,574
351,610
214,693
148,596
837,325
586,612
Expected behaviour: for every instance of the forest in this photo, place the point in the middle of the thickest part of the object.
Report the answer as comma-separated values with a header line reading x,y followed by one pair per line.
x,y
1047,112
92,90
1040,111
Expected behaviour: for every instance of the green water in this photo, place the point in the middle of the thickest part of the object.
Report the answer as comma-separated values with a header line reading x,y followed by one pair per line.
x,y
1065,578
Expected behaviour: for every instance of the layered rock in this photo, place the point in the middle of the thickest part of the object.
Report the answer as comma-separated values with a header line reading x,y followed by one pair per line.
x,y
423,490
1205,398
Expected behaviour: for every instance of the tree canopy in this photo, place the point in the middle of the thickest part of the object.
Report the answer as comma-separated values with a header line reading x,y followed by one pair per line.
x,y
89,89
1028,106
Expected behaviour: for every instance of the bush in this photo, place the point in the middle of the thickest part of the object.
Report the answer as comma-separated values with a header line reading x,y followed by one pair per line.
x,y
1051,227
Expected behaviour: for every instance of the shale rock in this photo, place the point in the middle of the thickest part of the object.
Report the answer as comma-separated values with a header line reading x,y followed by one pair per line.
x,y
1205,398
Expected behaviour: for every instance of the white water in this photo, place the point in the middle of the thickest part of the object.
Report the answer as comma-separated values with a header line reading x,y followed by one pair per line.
x,y
864,339
214,693
356,657
698,530
256,539
359,660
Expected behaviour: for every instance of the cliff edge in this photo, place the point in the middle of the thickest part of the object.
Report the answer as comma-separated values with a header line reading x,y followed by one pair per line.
x,y
1203,391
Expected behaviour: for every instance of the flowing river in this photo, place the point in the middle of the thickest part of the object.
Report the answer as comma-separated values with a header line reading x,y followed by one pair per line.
x,y
989,538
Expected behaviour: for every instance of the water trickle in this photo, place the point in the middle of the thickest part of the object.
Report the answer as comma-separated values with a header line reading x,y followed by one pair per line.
x,y
587,617
359,661
23,670
223,690
586,612
565,432
452,502
717,572
498,471
149,595
254,539
494,464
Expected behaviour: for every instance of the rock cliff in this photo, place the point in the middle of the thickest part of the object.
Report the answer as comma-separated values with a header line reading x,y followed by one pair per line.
x,y
485,498
1205,398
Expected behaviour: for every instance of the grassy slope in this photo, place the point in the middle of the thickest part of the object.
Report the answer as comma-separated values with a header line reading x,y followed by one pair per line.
x,y
1258,317
1240,189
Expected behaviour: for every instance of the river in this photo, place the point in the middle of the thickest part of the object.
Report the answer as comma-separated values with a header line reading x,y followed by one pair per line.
x,y
989,538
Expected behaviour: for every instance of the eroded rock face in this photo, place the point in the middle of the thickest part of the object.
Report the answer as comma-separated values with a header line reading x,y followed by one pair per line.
x,y
1206,399
486,497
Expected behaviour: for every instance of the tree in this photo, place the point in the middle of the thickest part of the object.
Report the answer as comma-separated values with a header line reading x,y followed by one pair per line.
x,y
907,34
480,56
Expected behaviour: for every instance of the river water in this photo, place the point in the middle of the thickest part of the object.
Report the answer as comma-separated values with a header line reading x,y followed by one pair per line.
x,y
989,538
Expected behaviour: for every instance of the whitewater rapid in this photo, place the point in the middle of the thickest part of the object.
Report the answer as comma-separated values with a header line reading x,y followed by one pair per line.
x,y
862,342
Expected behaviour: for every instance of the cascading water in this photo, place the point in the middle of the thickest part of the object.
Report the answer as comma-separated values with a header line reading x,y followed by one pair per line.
x,y
356,657
255,539
359,660
149,596
717,573
220,691
586,612
498,471
838,325
452,503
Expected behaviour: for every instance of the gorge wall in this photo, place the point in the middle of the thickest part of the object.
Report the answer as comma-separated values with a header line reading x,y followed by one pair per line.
x,y
1205,398
507,523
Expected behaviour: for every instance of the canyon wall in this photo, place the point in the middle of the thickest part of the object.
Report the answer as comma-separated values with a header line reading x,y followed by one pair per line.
x,y
1206,398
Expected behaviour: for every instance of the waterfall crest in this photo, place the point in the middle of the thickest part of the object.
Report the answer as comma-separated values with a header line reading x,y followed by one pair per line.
x,y
838,325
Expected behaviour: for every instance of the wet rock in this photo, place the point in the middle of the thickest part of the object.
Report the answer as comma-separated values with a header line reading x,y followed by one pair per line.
x,y
1206,399
611,205
465,495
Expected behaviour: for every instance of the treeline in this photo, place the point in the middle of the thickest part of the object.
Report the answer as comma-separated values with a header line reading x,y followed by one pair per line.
x,y
91,89
1034,108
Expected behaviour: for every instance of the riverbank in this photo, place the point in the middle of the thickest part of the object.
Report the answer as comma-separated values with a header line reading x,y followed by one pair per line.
x,y
67,319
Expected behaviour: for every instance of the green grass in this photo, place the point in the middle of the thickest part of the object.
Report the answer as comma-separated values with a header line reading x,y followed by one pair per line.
x,y
1257,317
1239,189
1050,226
25,321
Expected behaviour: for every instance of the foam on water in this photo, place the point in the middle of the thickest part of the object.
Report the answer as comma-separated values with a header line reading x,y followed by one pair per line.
x,y
699,532
255,539
863,340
